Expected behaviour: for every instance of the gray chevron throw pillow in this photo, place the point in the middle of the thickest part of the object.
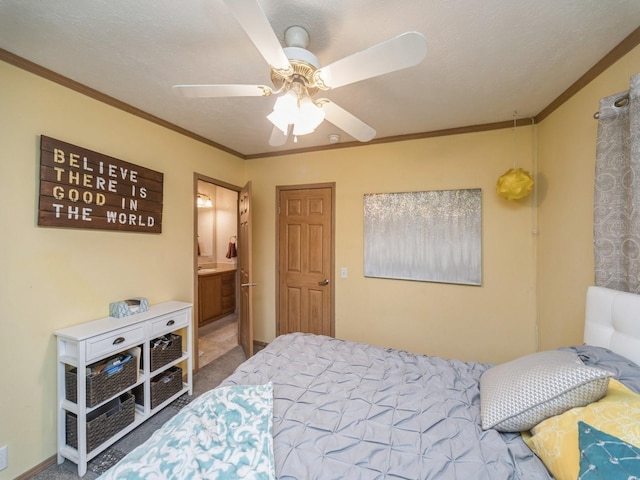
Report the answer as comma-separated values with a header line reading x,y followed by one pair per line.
x,y
517,395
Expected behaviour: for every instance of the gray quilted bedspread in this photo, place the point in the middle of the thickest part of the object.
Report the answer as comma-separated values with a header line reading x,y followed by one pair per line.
x,y
344,410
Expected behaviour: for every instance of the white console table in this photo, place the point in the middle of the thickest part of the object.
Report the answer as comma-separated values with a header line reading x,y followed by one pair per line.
x,y
87,343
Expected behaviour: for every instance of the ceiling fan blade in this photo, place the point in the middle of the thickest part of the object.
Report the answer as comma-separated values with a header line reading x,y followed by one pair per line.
x,y
400,52
252,19
203,91
277,138
346,121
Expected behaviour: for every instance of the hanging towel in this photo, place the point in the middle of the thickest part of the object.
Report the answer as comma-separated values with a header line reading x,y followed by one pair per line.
x,y
231,250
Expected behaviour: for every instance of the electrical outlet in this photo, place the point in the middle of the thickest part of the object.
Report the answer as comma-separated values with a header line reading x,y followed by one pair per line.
x,y
343,272
4,457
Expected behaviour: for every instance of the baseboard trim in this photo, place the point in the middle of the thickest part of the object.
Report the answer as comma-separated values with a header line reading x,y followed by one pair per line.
x,y
258,345
41,467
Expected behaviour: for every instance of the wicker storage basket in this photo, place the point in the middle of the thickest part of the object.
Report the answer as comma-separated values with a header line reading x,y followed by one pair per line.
x,y
103,422
103,385
164,350
163,386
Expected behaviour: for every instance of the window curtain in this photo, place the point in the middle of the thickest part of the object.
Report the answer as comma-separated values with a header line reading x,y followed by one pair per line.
x,y
617,191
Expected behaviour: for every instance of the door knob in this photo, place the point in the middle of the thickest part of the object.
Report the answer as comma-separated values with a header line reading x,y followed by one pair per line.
x,y
324,282
248,284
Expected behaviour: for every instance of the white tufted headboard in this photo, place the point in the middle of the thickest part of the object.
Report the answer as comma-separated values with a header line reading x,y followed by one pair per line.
x,y
612,321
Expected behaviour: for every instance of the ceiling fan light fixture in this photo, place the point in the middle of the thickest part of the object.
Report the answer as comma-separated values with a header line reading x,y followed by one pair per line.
x,y
309,117
284,110
298,109
287,103
279,120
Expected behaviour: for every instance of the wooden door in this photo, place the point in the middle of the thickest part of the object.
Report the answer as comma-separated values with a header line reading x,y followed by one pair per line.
x,y
245,316
305,260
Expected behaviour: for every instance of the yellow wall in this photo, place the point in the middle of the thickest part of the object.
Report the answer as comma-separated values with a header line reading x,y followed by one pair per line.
x,y
53,278
493,322
566,160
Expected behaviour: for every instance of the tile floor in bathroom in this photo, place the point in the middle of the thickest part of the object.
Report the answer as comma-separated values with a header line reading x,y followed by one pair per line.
x,y
217,338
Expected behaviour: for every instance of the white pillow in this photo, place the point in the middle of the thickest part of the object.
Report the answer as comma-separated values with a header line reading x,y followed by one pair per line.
x,y
517,395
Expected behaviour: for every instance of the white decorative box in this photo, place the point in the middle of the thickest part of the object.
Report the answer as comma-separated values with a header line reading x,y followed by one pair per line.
x,y
124,308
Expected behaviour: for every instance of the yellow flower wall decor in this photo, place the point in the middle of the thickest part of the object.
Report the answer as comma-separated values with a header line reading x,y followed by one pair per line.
x,y
515,184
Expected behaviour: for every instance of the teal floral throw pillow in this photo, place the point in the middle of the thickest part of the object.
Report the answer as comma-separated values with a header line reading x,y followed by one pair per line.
x,y
605,457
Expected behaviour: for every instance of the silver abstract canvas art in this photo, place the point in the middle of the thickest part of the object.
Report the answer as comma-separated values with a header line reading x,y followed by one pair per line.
x,y
433,236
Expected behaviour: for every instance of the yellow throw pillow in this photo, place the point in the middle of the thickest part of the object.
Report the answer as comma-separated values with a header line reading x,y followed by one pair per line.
x,y
555,440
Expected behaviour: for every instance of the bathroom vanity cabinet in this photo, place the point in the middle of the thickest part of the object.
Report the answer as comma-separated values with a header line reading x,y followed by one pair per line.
x,y
216,294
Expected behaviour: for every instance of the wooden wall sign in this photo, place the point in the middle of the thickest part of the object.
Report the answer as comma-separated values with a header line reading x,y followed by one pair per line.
x,y
84,189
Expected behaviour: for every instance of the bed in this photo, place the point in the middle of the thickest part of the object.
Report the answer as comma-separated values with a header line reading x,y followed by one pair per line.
x,y
315,407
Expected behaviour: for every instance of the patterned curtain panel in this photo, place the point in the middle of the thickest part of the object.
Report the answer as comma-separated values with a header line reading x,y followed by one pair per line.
x,y
617,192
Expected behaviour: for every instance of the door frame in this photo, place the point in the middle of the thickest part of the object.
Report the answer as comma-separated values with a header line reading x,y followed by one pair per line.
x,y
332,283
194,320
245,269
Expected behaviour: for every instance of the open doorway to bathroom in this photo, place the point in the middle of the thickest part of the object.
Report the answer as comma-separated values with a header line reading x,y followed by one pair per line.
x,y
215,265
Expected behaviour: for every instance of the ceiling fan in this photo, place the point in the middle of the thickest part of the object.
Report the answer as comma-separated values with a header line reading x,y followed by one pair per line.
x,y
297,75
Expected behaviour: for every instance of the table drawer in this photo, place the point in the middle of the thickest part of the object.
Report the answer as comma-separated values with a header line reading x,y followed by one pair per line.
x,y
104,345
169,323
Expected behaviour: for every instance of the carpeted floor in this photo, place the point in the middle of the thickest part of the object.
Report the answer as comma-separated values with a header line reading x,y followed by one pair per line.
x,y
207,378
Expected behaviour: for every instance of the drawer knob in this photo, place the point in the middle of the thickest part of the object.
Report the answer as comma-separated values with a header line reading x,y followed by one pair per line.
x,y
170,322
118,340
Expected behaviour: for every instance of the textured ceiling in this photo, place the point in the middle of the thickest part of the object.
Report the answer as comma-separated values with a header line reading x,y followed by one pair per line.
x,y
485,59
